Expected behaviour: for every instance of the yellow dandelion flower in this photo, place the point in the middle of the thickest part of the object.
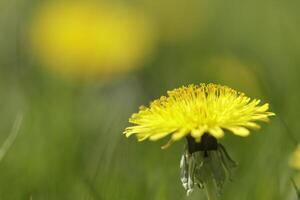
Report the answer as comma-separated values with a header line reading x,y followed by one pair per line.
x,y
88,41
294,161
201,114
195,110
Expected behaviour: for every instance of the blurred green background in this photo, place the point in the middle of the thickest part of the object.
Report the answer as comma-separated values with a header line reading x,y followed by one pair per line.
x,y
77,71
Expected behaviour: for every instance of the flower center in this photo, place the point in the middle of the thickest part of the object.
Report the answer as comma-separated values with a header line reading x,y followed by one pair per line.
x,y
207,143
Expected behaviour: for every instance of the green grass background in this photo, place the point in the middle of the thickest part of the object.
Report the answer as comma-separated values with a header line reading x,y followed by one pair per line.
x,y
71,146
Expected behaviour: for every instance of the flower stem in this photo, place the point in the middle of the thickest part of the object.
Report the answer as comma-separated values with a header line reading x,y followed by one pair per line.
x,y
210,185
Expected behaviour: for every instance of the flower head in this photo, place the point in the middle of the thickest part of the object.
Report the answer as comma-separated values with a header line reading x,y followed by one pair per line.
x,y
294,161
195,110
86,40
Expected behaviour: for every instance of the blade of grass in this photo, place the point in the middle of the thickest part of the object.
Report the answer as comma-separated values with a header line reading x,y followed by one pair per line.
x,y
296,188
11,137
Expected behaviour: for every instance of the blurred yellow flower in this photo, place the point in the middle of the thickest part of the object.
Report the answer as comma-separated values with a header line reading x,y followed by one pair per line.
x,y
295,159
198,110
87,40
221,68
